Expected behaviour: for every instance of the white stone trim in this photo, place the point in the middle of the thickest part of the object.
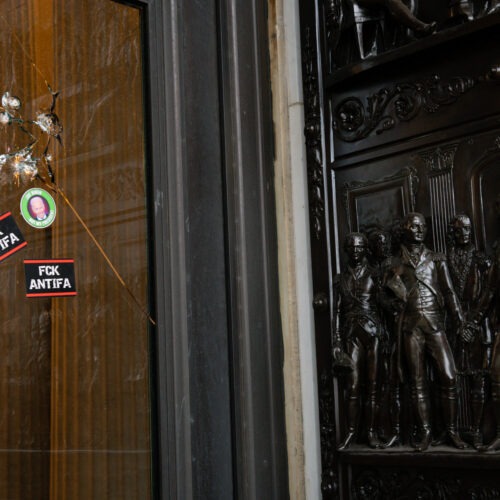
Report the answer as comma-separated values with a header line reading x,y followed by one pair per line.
x,y
295,280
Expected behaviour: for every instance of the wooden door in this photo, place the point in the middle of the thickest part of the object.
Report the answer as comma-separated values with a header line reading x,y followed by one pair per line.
x,y
75,370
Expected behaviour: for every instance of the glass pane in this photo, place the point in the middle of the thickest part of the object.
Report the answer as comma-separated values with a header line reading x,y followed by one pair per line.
x,y
74,371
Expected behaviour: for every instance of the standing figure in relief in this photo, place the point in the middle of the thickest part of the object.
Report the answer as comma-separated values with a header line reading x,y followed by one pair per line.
x,y
419,280
357,334
467,269
380,243
489,306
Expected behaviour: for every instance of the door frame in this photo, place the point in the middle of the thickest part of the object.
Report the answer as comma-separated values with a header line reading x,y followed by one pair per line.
x,y
217,345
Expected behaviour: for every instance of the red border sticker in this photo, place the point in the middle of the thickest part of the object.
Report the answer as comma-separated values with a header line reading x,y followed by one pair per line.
x,y
50,277
11,238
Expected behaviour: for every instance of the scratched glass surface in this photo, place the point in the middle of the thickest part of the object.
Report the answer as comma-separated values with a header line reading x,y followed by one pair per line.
x,y
74,371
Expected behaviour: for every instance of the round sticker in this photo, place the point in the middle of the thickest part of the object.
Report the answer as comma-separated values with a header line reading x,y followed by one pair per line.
x,y
38,208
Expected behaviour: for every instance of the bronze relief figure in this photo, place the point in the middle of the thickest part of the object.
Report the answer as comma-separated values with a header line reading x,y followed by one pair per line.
x,y
358,336
420,284
468,268
380,243
489,307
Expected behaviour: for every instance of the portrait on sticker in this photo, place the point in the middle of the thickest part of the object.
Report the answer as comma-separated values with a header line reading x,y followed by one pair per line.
x,y
38,208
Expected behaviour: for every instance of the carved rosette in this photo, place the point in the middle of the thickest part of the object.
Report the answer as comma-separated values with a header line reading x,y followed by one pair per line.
x,y
354,120
312,132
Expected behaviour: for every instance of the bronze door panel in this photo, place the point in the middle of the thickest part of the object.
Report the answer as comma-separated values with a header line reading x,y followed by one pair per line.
x,y
403,143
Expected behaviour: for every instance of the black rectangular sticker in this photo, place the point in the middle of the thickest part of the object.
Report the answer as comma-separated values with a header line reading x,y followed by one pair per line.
x,y
50,278
11,238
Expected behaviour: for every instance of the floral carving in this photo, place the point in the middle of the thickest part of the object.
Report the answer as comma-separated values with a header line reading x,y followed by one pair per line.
x,y
483,493
374,485
312,132
399,484
354,120
329,479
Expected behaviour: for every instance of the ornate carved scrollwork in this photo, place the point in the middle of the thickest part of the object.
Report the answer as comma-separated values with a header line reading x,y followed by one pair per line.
x,y
329,479
374,485
312,132
402,103
483,493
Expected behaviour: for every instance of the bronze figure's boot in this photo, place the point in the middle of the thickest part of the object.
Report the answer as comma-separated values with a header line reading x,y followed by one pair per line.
x,y
494,7
477,438
425,30
373,439
455,438
495,444
421,410
371,413
352,415
425,439
439,439
395,438
449,408
349,439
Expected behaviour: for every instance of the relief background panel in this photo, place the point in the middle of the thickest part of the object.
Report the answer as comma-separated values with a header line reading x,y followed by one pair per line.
x,y
381,190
